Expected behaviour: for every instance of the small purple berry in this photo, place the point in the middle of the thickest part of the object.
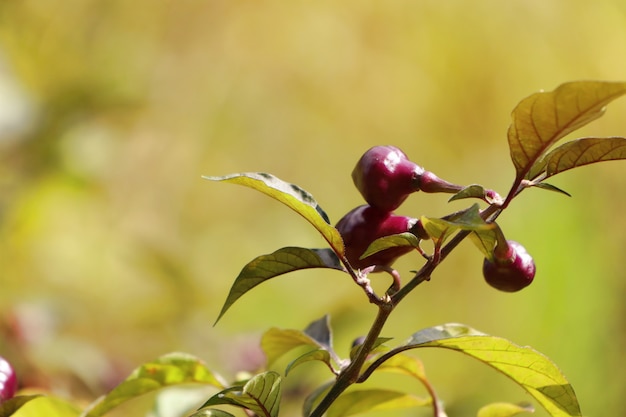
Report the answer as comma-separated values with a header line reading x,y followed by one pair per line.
x,y
8,380
363,225
512,268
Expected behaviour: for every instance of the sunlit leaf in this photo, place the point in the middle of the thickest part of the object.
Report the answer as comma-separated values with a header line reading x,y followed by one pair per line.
x,y
438,229
10,406
211,413
321,355
485,241
471,191
261,394
584,151
391,241
469,220
178,400
292,196
280,262
504,410
38,406
550,187
168,370
543,118
404,364
356,402
530,369
276,342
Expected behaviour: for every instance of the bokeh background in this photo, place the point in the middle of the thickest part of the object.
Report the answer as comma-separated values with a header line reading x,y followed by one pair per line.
x,y
113,250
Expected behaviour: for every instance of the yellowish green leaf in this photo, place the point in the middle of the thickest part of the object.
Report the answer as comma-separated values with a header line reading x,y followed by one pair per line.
x,y
504,410
404,364
280,262
543,118
276,342
361,401
211,413
391,241
321,355
39,405
261,394
293,197
584,151
9,407
471,191
533,371
550,187
168,370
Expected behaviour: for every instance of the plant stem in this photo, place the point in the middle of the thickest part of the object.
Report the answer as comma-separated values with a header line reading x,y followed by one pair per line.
x,y
489,214
350,375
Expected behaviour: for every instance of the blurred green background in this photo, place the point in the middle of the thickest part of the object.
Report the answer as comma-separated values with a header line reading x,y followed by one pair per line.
x,y
113,250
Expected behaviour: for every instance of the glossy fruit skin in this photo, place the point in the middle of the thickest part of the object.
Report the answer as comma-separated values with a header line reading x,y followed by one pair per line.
x,y
385,177
511,271
8,380
363,225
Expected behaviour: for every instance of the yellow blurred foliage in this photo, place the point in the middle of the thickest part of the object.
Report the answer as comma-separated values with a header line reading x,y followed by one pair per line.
x,y
113,250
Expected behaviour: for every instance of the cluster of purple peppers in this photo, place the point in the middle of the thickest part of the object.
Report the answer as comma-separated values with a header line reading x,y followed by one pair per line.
x,y
385,177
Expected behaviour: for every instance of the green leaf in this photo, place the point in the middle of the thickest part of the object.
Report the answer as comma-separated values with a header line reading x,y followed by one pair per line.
x,y
543,118
316,355
314,398
391,241
440,229
211,413
404,364
470,220
276,342
583,151
38,406
293,197
471,191
356,402
280,262
550,187
10,406
261,394
168,370
533,371
485,241
504,410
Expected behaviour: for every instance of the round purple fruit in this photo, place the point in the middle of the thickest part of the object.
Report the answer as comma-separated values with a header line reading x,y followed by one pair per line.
x,y
512,268
363,225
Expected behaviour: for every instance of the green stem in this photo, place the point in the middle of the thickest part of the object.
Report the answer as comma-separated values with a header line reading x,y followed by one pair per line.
x,y
489,214
350,375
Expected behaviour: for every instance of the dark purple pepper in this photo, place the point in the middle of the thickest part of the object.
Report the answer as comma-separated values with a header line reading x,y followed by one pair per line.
x,y
363,225
512,268
385,177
